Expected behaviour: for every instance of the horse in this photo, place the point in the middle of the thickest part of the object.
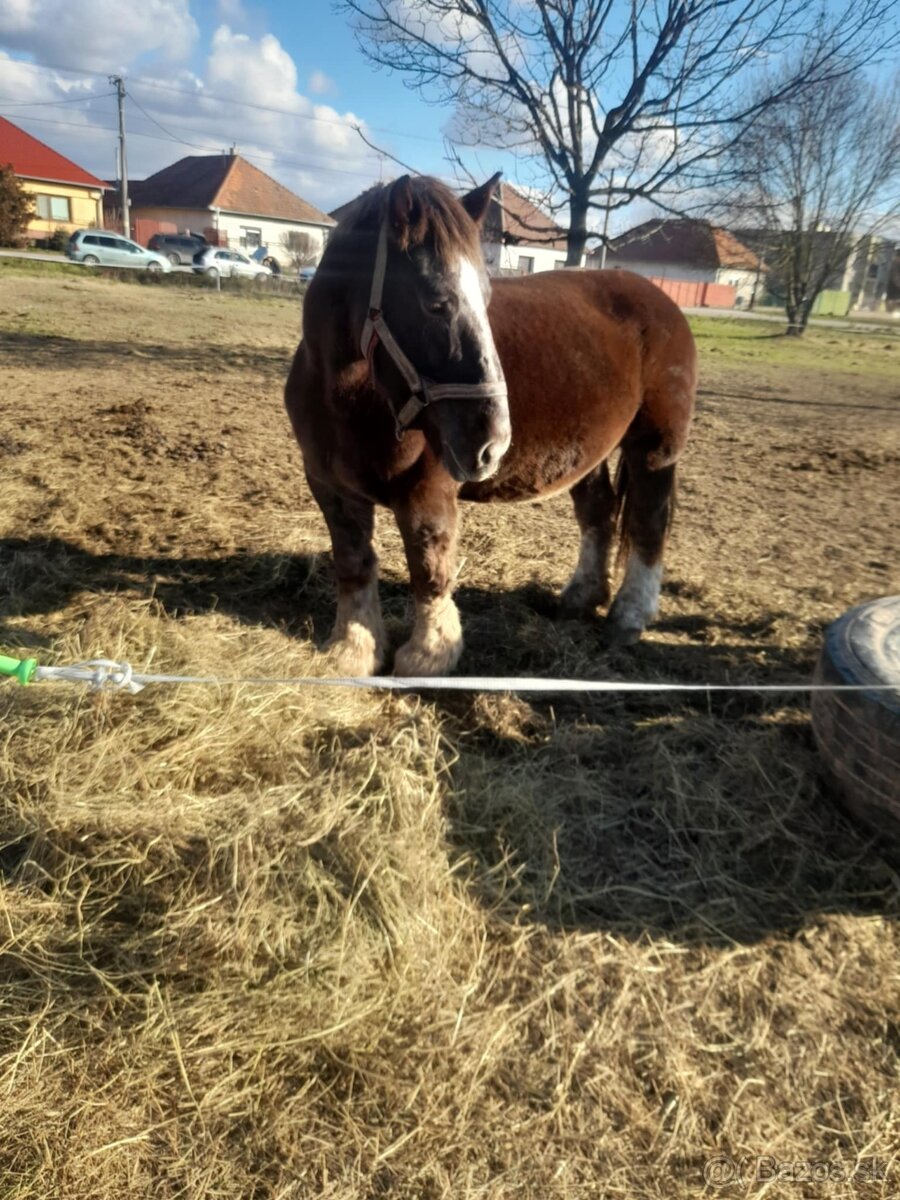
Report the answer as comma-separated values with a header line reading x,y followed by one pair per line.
x,y
419,383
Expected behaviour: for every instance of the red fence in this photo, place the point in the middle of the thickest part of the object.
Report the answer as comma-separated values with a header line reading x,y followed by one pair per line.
x,y
698,295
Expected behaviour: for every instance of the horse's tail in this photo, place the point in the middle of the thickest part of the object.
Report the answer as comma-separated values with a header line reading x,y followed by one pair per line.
x,y
626,503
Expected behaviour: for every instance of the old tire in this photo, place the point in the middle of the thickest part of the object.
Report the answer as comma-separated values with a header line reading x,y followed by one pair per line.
x,y
858,733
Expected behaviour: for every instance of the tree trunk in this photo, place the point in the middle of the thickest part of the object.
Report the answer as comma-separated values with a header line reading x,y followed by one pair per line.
x,y
578,231
798,318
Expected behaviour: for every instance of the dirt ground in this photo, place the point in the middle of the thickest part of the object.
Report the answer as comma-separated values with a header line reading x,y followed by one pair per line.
x,y
283,943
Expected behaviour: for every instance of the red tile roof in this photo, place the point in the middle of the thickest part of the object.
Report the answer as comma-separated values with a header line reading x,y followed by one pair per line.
x,y
31,159
684,242
513,219
224,181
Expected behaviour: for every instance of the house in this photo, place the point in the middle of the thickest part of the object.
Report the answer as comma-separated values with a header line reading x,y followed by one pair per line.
x,y
861,278
518,238
65,195
689,251
233,203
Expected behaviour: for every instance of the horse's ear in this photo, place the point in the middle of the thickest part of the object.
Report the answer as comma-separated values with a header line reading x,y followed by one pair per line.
x,y
476,203
400,204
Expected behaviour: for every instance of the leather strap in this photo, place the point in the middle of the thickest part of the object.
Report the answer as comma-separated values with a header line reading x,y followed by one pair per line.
x,y
423,391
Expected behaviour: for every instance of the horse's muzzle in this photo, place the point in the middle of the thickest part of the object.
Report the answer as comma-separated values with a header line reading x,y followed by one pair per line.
x,y
473,455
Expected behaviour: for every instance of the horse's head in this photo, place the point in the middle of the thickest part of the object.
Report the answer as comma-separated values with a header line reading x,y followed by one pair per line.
x,y
426,332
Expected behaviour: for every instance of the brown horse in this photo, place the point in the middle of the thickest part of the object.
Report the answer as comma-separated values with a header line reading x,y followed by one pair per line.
x,y
408,391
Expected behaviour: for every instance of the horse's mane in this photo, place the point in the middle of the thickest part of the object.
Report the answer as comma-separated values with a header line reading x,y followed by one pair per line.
x,y
436,216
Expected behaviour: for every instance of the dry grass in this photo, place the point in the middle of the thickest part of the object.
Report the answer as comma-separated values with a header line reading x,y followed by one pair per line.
x,y
271,943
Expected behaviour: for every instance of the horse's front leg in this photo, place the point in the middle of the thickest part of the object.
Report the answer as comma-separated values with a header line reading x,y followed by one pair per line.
x,y
427,517
357,642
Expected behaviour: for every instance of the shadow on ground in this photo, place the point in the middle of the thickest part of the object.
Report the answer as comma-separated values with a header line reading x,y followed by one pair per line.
x,y
47,351
697,818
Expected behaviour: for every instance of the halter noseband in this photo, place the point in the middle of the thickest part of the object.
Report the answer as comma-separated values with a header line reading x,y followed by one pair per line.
x,y
423,391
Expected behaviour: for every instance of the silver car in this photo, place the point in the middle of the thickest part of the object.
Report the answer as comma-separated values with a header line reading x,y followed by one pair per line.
x,y
216,261
97,249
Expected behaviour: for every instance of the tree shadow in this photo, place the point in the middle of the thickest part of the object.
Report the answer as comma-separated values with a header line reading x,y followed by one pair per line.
x,y
39,351
699,818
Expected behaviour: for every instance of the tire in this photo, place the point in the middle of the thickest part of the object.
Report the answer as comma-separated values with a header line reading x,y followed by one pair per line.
x,y
91,260
858,733
262,277
174,259
154,266
212,272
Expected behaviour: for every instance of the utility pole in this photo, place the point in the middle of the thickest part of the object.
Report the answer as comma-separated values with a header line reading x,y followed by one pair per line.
x,y
612,177
119,83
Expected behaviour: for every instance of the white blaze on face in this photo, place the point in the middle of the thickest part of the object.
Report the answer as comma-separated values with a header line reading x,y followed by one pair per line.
x,y
471,298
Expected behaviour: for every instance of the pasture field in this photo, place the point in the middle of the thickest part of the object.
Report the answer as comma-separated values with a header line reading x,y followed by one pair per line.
x,y
281,943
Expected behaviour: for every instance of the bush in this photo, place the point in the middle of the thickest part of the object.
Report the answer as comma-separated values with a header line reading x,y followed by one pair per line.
x,y
16,208
58,240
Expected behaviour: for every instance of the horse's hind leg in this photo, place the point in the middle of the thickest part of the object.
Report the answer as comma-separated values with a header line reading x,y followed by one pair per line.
x,y
595,510
645,495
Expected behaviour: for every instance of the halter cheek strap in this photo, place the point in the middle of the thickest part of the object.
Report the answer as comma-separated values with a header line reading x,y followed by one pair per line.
x,y
423,391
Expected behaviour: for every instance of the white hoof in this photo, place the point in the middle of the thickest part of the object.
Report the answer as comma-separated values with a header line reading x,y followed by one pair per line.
x,y
357,643
436,643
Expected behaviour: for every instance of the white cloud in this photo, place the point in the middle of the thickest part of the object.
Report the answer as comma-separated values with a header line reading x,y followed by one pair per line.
x,y
231,11
245,94
321,84
97,34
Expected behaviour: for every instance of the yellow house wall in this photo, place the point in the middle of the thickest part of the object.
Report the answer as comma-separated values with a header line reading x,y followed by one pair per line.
x,y
85,207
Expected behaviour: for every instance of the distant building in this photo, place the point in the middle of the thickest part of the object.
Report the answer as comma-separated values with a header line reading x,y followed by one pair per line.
x,y
65,195
689,251
232,203
518,238
864,267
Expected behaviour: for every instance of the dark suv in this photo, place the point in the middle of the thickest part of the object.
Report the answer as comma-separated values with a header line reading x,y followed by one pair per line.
x,y
177,247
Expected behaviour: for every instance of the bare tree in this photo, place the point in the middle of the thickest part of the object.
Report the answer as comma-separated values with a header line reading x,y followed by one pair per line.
x,y
654,90
820,177
302,249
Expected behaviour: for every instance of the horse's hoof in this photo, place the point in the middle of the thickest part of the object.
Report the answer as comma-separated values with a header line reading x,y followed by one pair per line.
x,y
354,656
619,636
415,660
577,603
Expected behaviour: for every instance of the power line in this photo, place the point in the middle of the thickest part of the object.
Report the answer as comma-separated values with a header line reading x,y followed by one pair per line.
x,y
307,166
205,95
53,103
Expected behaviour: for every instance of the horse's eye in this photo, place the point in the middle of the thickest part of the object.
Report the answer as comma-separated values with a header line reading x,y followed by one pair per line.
x,y
440,308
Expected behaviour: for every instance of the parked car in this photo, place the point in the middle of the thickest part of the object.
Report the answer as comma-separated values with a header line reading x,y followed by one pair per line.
x,y
178,247
305,274
215,261
96,249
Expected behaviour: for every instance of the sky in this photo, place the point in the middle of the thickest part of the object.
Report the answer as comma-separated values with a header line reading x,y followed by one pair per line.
x,y
282,81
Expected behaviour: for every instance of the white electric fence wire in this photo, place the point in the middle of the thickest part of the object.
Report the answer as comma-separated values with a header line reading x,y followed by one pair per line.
x,y
104,674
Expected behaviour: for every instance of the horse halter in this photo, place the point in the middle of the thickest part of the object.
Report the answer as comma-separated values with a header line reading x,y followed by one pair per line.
x,y
423,391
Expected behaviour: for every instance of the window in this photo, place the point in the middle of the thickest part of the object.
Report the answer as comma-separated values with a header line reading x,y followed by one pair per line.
x,y
250,238
53,208
91,239
526,264
109,243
